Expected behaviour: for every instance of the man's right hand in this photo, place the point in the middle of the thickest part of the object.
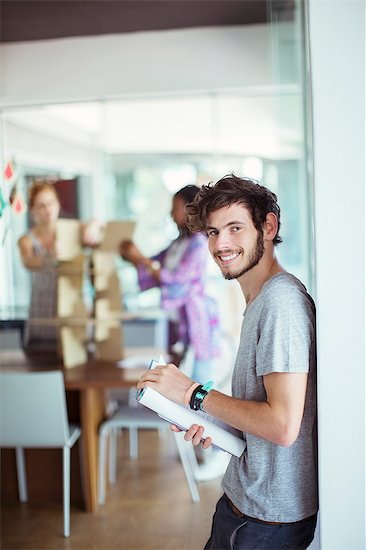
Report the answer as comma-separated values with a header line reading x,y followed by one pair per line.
x,y
194,434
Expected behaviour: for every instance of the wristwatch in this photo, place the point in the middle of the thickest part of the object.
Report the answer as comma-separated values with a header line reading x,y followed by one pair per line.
x,y
198,396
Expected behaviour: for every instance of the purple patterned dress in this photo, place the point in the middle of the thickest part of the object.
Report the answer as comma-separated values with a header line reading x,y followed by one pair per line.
x,y
182,283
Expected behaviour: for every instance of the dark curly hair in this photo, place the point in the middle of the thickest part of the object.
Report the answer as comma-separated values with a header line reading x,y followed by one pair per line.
x,y
187,193
233,190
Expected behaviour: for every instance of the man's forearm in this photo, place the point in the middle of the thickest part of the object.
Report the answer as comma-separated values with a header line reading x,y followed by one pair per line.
x,y
277,419
254,417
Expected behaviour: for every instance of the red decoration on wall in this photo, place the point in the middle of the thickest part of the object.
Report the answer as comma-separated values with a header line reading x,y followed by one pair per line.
x,y
9,170
18,204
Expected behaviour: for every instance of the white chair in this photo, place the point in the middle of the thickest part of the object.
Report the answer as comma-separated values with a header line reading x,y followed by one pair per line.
x,y
33,414
133,418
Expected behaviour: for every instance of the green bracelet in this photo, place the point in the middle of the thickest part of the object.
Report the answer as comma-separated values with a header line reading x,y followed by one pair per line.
x,y
208,386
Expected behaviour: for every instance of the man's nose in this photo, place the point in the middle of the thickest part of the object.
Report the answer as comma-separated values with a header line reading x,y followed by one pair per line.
x,y
222,241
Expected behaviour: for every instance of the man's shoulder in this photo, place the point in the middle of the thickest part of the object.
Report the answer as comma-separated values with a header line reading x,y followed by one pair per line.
x,y
284,282
284,290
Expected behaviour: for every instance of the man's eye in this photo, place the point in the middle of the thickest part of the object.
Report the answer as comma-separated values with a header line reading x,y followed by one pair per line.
x,y
236,228
211,232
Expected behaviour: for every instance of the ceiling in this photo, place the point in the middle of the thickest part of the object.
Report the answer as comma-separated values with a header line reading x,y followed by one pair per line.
x,y
22,20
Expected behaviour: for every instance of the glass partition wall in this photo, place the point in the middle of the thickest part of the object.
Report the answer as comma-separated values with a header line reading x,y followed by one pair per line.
x,y
128,156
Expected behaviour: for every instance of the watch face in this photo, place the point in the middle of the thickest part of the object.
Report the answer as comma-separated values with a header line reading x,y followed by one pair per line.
x,y
155,265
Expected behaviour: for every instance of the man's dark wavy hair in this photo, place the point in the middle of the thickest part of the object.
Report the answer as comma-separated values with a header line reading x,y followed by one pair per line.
x,y
233,190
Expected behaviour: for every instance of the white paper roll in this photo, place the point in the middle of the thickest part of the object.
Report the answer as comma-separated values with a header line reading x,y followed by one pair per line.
x,y
184,417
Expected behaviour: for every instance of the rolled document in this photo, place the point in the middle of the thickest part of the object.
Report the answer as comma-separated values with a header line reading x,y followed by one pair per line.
x,y
184,417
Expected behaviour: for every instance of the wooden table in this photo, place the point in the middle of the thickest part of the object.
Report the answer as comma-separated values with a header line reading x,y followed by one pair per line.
x,y
90,381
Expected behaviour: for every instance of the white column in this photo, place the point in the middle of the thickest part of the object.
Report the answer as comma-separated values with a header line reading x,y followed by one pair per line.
x,y
337,50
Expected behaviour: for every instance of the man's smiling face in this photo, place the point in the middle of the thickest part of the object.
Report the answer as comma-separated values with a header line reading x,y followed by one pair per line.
x,y
233,241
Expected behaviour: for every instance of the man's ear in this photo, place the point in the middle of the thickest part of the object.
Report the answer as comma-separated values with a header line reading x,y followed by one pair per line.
x,y
270,227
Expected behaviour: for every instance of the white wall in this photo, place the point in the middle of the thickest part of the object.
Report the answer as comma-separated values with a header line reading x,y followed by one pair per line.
x,y
73,69
37,147
337,48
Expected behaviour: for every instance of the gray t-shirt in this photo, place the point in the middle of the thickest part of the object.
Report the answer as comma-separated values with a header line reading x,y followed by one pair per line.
x,y
271,482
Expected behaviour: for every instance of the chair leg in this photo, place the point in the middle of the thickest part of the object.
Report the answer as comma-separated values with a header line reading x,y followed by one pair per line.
x,y
102,466
66,484
132,402
184,450
134,443
192,457
81,467
21,474
113,449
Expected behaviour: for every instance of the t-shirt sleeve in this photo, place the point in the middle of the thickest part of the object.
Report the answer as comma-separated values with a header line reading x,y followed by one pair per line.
x,y
287,332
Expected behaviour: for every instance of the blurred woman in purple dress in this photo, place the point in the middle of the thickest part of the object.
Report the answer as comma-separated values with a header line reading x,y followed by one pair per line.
x,y
180,272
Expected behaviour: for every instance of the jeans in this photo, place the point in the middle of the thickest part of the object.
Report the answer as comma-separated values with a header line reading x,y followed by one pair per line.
x,y
230,532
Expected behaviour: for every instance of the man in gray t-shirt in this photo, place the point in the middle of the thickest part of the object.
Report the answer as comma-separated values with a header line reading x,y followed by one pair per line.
x,y
278,335
270,491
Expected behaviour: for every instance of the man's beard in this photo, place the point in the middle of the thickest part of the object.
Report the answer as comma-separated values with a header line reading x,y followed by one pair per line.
x,y
254,256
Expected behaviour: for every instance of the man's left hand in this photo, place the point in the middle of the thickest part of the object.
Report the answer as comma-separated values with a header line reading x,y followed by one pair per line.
x,y
167,380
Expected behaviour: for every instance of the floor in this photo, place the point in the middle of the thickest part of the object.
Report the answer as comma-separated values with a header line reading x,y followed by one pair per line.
x,y
149,508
